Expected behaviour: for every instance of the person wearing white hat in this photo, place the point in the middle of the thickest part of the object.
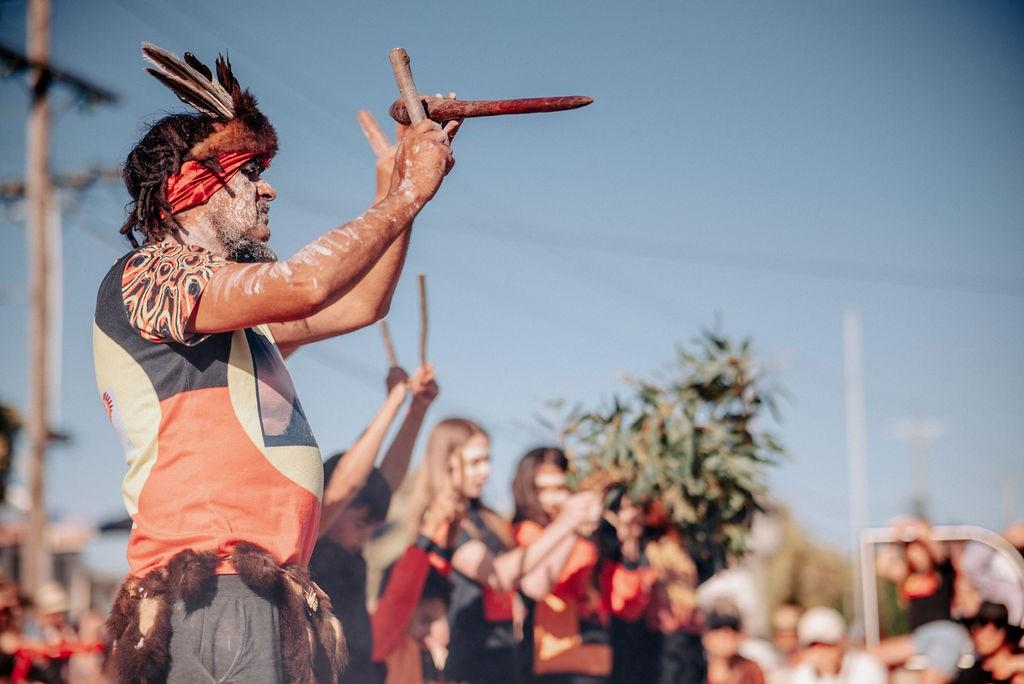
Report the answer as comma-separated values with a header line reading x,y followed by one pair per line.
x,y
827,660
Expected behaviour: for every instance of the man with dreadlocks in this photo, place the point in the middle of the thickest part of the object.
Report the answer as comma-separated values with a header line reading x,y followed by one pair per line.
x,y
224,476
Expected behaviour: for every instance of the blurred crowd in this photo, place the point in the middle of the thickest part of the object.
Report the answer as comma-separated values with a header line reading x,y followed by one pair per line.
x,y
579,586
40,643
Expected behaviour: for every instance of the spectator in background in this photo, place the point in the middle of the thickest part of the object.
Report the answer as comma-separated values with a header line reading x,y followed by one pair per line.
x,y
785,619
356,501
925,576
416,595
88,667
431,605
51,610
778,657
627,626
992,576
55,631
997,658
826,657
669,648
11,637
488,569
567,637
723,634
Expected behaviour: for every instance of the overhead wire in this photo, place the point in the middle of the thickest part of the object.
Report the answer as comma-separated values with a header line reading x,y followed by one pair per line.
x,y
692,253
703,255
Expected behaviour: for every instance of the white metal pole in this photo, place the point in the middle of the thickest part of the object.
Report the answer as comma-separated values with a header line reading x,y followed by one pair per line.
x,y
856,446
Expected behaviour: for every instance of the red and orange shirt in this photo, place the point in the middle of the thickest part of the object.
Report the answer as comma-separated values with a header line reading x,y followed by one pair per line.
x,y
217,445
570,626
401,656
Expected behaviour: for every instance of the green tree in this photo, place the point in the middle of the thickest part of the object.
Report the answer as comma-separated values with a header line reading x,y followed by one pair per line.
x,y
693,444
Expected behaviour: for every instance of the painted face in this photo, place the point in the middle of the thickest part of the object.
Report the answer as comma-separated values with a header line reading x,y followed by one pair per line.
x,y
549,482
476,465
240,213
428,611
353,528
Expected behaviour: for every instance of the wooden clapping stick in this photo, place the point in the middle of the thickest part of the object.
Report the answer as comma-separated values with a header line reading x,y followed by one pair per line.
x,y
443,110
406,87
410,108
423,319
389,346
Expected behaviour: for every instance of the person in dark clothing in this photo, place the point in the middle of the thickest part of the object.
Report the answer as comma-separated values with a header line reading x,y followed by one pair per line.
x,y
415,596
723,634
567,634
356,501
488,569
666,647
997,657
337,565
925,576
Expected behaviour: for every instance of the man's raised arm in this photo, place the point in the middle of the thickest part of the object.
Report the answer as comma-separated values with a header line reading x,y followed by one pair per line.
x,y
324,271
370,299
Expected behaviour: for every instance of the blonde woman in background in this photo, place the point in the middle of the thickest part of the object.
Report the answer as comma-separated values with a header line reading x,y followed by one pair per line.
x,y
488,569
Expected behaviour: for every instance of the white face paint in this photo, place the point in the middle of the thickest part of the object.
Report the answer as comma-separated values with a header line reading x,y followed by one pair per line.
x,y
549,483
239,213
476,465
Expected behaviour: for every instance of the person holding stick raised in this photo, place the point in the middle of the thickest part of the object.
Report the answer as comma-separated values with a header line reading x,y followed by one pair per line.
x,y
357,496
191,330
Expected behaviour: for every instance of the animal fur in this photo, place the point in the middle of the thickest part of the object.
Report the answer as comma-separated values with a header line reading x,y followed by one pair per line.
x,y
241,126
191,578
257,568
140,624
312,640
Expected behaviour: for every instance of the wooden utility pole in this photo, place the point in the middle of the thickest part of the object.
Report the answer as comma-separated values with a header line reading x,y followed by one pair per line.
x,y
35,566
35,559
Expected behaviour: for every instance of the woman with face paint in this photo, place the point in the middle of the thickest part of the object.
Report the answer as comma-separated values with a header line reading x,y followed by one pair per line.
x,y
488,568
567,639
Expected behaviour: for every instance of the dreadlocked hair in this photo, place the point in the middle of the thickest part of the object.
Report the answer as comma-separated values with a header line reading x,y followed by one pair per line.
x,y
157,157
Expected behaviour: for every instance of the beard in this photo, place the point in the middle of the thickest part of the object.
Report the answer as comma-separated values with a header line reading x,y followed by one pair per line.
x,y
250,251
241,247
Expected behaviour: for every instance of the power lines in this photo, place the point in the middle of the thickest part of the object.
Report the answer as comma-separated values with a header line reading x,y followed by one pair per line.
x,y
729,257
745,259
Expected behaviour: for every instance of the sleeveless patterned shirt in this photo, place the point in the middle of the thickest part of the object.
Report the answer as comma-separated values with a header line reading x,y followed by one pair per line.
x,y
217,445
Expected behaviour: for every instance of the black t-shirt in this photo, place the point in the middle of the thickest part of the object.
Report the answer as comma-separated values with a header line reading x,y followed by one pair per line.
x,y
342,576
937,605
479,650
978,675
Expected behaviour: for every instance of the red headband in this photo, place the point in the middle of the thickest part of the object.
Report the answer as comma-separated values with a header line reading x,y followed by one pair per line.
x,y
195,184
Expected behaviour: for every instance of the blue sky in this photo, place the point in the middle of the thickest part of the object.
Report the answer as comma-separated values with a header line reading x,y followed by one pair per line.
x,y
768,163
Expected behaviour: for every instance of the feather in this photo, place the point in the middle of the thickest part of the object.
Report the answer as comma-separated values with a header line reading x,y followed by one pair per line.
x,y
186,95
227,77
193,86
191,60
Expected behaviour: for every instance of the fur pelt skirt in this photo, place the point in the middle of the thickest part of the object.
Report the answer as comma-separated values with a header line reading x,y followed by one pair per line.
x,y
312,642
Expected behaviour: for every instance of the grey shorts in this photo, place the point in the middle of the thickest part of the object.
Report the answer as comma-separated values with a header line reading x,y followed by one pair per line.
x,y
234,639
942,642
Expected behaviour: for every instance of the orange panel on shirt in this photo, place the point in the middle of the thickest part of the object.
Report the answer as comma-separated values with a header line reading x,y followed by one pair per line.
x,y
206,500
